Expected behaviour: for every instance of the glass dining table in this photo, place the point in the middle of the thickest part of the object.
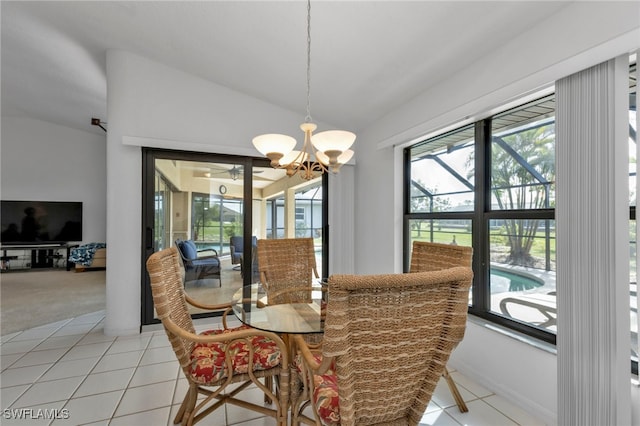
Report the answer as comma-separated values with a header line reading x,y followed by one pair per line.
x,y
251,308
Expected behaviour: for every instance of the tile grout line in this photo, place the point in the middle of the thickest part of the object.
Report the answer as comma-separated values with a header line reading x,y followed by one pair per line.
x,y
53,364
115,409
42,340
498,410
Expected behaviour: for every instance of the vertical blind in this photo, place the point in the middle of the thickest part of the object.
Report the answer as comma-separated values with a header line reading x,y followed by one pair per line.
x,y
592,216
637,305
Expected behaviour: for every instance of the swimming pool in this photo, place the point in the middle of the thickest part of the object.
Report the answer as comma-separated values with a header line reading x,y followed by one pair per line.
x,y
505,280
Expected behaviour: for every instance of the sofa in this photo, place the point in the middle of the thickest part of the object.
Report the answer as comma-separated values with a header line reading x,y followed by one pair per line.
x,y
89,256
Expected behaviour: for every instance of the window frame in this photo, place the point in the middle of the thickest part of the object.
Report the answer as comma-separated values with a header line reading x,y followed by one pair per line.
x,y
480,217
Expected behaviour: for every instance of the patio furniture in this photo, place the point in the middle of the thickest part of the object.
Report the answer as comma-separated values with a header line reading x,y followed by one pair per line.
x,y
214,360
236,246
387,339
198,264
544,304
427,256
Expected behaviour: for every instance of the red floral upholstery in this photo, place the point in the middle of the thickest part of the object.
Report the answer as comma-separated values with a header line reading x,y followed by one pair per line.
x,y
208,359
325,393
325,398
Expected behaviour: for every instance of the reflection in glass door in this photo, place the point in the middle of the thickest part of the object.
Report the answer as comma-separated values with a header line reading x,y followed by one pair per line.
x,y
209,201
162,222
206,211
296,211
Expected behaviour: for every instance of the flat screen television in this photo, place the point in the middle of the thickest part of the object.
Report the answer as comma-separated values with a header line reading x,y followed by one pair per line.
x,y
40,222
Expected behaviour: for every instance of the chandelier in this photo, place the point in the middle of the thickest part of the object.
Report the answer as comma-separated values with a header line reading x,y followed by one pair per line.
x,y
331,146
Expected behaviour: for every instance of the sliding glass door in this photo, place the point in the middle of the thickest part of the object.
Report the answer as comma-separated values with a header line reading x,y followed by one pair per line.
x,y
217,204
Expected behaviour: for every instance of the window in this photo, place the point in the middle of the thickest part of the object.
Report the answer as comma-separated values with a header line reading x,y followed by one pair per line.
x,y
442,173
206,219
308,203
491,185
215,219
519,219
275,218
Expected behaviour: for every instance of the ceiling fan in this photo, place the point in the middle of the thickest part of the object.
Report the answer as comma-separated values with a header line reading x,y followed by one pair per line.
x,y
234,173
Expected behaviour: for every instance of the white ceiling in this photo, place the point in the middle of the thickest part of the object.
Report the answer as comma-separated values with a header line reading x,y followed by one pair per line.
x,y
368,57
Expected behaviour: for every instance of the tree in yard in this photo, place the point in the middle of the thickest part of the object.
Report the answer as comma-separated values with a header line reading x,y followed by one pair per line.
x,y
232,229
522,178
206,214
426,200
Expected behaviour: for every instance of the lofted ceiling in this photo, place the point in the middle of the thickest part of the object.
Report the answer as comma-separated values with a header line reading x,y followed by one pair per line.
x,y
368,57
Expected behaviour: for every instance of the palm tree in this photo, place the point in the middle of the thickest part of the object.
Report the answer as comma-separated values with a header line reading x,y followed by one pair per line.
x,y
522,178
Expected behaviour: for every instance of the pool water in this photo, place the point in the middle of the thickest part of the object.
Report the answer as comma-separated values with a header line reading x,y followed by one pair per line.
x,y
503,281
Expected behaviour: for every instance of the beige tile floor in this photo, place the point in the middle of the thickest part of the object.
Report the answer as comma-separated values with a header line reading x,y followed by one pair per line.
x,y
71,369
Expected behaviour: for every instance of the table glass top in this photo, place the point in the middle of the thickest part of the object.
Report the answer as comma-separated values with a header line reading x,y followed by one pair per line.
x,y
295,318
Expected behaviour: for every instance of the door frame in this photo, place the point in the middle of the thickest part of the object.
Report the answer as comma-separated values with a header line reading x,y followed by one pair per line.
x,y
149,156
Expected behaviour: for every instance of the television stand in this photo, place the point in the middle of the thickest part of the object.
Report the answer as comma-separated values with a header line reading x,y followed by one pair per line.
x,y
33,256
6,261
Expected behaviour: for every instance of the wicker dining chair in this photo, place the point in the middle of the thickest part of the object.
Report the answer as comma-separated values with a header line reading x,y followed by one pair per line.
x,y
386,343
287,267
215,361
427,256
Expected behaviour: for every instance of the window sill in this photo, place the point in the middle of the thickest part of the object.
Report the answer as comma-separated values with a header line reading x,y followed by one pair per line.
x,y
521,337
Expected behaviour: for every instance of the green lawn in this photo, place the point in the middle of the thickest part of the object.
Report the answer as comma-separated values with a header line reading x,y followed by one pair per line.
x,y
463,238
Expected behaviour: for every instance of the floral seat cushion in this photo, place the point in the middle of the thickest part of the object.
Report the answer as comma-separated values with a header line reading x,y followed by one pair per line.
x,y
325,398
208,359
325,393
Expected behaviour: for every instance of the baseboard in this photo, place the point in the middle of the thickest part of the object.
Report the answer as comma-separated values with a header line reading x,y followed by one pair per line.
x,y
89,268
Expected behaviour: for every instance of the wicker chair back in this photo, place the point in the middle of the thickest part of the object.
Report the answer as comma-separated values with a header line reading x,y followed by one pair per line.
x,y
427,256
391,336
287,267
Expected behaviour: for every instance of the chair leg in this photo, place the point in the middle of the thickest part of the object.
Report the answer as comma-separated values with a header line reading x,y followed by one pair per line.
x,y
187,406
454,391
268,382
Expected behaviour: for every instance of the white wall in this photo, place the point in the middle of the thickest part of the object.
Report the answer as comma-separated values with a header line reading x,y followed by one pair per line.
x,y
580,35
48,162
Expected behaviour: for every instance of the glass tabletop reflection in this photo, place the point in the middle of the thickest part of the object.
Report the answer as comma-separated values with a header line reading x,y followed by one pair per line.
x,y
251,308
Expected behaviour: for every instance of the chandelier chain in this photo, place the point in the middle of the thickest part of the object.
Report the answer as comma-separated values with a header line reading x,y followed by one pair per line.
x,y
332,147
308,117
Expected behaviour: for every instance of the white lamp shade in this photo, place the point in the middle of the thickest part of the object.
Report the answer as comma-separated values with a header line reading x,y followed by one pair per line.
x,y
293,156
345,156
333,140
322,158
274,143
342,158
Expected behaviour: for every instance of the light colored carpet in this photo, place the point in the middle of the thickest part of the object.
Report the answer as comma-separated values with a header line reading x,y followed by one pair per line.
x,y
32,298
